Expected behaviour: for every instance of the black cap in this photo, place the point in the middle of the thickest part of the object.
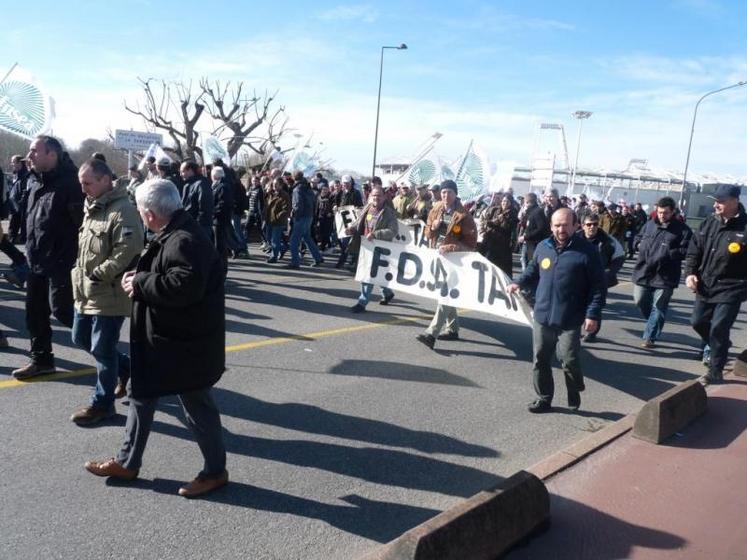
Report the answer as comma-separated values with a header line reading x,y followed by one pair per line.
x,y
726,191
449,184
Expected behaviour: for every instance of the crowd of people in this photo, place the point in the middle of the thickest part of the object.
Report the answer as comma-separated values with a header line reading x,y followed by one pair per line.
x,y
156,247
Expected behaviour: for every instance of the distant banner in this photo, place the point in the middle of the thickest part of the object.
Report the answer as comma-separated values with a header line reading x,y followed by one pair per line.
x,y
344,218
410,232
466,279
25,109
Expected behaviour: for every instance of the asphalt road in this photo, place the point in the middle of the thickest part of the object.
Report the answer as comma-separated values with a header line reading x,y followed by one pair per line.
x,y
342,430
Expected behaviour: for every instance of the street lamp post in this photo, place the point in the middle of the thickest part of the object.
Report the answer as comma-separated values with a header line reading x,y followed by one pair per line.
x,y
378,103
692,131
581,116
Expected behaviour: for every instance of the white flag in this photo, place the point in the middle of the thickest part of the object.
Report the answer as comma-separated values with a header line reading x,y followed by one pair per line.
x,y
213,149
25,109
473,174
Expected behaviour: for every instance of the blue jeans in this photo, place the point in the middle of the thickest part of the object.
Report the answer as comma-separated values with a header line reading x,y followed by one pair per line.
x,y
653,303
276,237
236,221
98,335
366,290
302,231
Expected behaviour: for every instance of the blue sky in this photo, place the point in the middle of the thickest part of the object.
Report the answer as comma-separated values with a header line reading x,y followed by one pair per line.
x,y
484,70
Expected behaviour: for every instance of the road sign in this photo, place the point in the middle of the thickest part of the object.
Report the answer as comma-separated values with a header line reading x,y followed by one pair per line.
x,y
135,140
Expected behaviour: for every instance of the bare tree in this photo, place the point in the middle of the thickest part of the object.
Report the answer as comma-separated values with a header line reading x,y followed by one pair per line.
x,y
242,115
174,108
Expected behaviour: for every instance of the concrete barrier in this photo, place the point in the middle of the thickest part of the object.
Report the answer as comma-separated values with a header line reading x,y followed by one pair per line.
x,y
665,415
740,365
480,528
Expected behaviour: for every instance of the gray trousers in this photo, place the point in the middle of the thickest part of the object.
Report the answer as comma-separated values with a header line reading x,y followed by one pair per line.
x,y
445,318
203,420
567,345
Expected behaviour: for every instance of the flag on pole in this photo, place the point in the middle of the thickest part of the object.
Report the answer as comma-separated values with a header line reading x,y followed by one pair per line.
x,y
25,109
154,151
213,149
473,173
302,161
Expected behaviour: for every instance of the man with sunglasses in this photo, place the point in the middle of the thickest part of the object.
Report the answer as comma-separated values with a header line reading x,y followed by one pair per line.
x,y
657,271
611,253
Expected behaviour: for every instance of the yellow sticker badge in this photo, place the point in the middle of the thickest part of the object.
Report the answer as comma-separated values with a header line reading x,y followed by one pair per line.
x,y
734,247
545,263
457,229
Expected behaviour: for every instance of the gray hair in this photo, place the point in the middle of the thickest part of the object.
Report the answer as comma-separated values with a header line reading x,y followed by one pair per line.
x,y
217,173
160,196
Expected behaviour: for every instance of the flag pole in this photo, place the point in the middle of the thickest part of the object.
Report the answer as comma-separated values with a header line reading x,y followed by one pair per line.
x,y
9,72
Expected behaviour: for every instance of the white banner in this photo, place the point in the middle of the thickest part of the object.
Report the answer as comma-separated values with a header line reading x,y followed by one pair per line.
x,y
466,279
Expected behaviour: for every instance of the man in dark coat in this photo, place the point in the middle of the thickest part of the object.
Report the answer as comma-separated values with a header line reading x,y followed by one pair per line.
x,y
55,212
18,199
716,270
569,277
662,246
197,196
177,337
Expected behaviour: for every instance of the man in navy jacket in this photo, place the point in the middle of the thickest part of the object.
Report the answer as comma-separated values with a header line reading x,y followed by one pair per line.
x,y
570,284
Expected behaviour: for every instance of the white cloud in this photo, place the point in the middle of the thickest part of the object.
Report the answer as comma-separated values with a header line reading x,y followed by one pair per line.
x,y
356,12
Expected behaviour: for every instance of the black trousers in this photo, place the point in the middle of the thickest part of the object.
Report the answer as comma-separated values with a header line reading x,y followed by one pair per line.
x,y
713,322
47,295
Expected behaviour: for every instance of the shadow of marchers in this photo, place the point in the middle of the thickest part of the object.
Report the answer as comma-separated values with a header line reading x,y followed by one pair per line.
x,y
644,381
512,336
312,419
580,532
380,466
398,371
371,519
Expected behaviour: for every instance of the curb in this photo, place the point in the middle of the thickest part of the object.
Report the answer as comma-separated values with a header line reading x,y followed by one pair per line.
x,y
565,458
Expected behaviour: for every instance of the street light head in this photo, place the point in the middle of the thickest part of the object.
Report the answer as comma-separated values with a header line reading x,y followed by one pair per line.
x,y
402,47
582,114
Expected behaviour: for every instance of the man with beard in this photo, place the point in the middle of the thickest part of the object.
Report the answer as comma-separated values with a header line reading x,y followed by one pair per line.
x,y
570,294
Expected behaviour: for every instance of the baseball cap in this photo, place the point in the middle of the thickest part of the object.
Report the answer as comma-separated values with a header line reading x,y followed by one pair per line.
x,y
723,192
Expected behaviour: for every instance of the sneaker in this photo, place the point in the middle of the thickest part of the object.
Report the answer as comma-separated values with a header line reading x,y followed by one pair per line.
x,y
358,308
539,407
452,335
590,337
318,263
32,370
386,299
708,379
202,485
427,339
648,344
89,415
272,260
120,391
706,358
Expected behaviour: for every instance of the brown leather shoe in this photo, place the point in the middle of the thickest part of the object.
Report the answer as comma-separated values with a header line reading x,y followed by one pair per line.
x,y
32,370
120,391
88,415
110,468
200,486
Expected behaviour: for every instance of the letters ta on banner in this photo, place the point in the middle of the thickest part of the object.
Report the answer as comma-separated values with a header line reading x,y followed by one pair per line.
x,y
466,280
